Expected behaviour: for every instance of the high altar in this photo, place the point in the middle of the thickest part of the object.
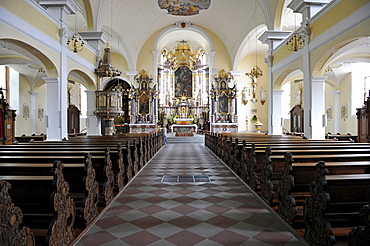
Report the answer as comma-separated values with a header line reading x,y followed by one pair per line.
x,y
183,99
183,90
183,123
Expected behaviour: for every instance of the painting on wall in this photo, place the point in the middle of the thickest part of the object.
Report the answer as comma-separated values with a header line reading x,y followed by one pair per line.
x,y
344,111
223,104
183,82
184,7
143,104
40,112
26,110
329,112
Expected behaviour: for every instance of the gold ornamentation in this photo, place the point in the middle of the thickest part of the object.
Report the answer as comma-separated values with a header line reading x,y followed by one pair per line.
x,y
295,43
75,43
255,73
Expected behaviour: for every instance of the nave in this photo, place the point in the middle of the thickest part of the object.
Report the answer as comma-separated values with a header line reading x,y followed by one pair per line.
x,y
223,211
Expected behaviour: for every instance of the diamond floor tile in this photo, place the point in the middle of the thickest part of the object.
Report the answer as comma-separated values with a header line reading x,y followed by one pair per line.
x,y
221,212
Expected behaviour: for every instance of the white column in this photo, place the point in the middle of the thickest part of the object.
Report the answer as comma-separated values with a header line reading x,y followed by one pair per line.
x,y
52,112
212,70
155,79
336,110
63,90
93,122
276,127
236,75
131,75
318,116
33,111
272,39
308,92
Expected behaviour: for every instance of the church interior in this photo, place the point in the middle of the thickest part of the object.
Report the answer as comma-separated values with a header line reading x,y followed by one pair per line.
x,y
226,82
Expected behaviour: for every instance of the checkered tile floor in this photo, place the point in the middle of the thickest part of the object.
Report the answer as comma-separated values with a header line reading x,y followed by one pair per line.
x,y
221,212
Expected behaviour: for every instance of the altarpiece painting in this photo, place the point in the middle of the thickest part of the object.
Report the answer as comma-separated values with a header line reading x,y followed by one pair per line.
x,y
144,104
183,82
223,104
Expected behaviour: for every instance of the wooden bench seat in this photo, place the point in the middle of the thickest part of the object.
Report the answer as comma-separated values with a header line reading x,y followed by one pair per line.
x,y
38,198
335,202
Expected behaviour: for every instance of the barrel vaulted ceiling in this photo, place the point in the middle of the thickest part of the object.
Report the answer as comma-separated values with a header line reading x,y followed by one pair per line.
x,y
132,23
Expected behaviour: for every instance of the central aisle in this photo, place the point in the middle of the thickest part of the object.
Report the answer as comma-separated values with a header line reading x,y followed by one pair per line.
x,y
221,212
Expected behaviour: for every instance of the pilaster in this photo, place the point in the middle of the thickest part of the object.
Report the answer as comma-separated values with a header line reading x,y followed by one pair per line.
x,y
33,111
318,116
93,122
276,127
336,109
52,112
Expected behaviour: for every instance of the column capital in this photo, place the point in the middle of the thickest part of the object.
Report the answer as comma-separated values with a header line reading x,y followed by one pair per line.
x,y
95,39
307,8
60,8
211,54
316,79
236,74
335,93
278,92
51,79
131,75
273,38
33,93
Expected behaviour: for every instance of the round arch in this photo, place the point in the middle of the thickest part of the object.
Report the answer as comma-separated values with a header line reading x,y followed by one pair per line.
x,y
82,78
289,75
201,32
27,60
251,45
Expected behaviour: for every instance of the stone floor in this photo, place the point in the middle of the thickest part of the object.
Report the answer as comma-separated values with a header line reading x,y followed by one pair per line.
x,y
223,211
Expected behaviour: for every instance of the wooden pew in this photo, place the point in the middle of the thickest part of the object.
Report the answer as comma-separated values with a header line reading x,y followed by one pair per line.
x,y
46,220
295,178
40,155
11,220
360,235
334,205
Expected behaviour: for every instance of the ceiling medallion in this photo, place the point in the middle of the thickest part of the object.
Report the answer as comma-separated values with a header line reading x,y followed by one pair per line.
x,y
183,7
183,24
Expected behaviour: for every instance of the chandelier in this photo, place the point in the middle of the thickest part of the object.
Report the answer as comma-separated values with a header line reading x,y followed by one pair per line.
x,y
295,43
183,55
75,43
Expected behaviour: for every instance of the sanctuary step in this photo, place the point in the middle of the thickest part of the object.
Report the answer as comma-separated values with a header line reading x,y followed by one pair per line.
x,y
171,138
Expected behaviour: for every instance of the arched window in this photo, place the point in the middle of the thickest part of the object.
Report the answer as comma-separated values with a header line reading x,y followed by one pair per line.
x,y
360,85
